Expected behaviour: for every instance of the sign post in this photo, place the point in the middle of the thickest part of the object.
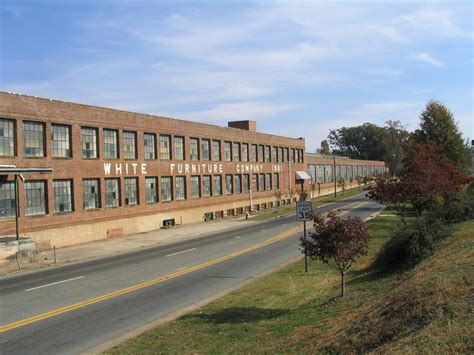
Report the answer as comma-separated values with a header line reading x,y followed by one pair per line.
x,y
304,210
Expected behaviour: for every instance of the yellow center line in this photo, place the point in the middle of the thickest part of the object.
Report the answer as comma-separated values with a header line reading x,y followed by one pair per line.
x,y
61,310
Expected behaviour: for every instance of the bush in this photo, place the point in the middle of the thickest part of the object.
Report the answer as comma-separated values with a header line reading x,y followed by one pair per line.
x,y
411,243
456,209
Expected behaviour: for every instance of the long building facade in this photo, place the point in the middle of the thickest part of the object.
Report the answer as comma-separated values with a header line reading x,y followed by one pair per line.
x,y
115,172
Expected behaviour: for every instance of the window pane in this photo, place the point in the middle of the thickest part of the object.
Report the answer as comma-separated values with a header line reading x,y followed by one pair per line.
x,y
131,191
91,193
151,190
228,184
206,185
237,184
165,147
267,154
287,155
62,196
217,185
7,199
254,153
195,187
35,192
180,188
129,145
280,154
312,172
261,153
245,152
205,146
261,183
246,185
275,155
149,140
89,142
166,190
33,139
254,182
179,148
7,138
227,151
268,181
216,150
194,148
236,151
61,141
112,192
276,181
110,143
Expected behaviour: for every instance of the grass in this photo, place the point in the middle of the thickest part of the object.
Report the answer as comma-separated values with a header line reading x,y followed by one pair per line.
x,y
428,309
318,201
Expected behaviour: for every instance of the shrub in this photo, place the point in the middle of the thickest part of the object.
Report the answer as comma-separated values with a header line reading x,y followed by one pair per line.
x,y
411,243
457,209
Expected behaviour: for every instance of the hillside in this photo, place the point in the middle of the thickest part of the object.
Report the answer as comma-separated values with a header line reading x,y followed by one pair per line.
x,y
427,309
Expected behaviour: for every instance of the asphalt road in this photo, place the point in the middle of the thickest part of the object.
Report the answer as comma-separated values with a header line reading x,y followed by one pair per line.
x,y
73,308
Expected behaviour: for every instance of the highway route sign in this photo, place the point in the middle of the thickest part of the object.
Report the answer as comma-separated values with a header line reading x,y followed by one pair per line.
x,y
304,211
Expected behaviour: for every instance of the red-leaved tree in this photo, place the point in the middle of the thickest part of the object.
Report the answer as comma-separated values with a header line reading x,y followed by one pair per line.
x,y
337,242
428,174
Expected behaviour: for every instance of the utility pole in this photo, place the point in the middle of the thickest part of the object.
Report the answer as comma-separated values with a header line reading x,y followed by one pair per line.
x,y
334,174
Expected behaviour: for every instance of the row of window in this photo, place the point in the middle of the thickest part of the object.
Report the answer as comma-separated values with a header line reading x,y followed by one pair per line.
x,y
169,146
325,173
211,185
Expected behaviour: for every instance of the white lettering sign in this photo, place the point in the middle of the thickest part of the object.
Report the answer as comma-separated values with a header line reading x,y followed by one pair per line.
x,y
124,167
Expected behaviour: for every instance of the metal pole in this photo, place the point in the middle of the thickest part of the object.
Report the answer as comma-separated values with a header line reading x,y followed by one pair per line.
x,y
250,197
334,175
305,252
17,209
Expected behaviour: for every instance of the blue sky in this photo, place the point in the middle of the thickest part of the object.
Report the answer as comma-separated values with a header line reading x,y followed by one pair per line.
x,y
299,68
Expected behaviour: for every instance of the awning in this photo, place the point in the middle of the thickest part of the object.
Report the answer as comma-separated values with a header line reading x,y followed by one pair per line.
x,y
302,175
14,170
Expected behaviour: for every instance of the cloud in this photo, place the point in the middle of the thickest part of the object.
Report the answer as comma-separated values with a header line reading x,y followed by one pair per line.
x,y
427,58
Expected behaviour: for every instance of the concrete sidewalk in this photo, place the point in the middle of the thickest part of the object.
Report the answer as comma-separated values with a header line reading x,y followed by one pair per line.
x,y
119,245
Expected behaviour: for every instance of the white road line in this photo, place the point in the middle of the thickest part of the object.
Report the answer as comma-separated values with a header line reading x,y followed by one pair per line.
x,y
181,252
238,237
54,283
263,230
182,268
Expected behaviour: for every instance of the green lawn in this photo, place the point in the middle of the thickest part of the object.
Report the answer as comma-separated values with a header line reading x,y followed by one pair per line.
x,y
427,309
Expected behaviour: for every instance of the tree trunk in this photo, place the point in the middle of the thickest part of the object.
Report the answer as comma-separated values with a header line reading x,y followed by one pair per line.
x,y
343,290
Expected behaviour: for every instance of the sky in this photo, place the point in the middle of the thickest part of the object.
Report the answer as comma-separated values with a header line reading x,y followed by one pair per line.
x,y
299,68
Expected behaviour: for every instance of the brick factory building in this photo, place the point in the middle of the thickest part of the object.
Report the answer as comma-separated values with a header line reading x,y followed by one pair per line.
x,y
116,172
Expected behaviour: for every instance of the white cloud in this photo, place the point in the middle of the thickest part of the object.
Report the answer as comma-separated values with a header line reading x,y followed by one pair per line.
x,y
427,58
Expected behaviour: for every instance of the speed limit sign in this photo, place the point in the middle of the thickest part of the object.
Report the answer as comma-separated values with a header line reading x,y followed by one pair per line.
x,y
303,211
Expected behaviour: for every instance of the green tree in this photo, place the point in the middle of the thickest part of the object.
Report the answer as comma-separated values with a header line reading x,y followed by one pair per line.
x,y
325,147
437,125
396,142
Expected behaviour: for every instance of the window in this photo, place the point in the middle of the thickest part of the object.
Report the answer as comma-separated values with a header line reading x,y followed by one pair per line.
x,y
62,196
206,185
166,189
112,192
7,199
129,145
150,190
90,194
205,149
228,184
61,141
268,181
236,151
237,184
110,143
301,156
178,148
89,142
131,191
261,183
261,153
297,151
33,139
267,154
276,181
165,147
7,138
195,186
36,202
254,153
149,140
280,155
217,185
216,150
275,155
312,172
246,183
320,173
194,148
245,152
287,155
180,188
328,173
227,151
254,182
